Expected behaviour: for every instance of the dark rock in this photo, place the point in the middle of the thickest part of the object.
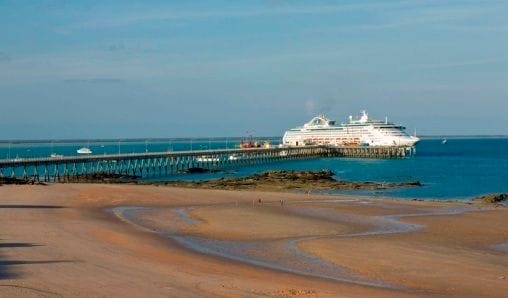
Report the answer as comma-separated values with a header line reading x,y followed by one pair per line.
x,y
99,178
281,180
19,181
492,198
199,170
196,170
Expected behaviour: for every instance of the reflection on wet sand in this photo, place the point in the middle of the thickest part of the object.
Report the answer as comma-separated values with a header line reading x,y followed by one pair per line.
x,y
283,253
502,247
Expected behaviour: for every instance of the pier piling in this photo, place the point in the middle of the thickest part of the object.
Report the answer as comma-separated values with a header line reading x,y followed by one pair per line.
x,y
166,163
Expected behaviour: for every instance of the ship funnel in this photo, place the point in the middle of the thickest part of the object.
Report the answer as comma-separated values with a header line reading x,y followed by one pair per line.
x,y
364,117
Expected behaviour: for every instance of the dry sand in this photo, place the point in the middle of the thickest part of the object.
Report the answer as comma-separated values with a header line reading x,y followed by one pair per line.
x,y
60,240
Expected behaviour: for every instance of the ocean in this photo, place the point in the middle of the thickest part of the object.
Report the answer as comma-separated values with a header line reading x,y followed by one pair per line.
x,y
460,169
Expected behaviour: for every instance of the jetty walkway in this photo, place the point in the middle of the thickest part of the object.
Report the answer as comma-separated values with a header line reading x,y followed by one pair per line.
x,y
53,169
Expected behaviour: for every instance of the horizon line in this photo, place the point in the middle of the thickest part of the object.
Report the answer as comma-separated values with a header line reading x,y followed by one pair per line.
x,y
159,139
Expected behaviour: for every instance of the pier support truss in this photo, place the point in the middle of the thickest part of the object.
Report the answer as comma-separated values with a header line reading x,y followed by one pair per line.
x,y
167,163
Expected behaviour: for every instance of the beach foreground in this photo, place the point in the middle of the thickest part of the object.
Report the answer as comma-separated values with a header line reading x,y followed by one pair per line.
x,y
134,240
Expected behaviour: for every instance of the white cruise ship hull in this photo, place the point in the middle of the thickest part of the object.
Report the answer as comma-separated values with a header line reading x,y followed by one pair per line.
x,y
362,132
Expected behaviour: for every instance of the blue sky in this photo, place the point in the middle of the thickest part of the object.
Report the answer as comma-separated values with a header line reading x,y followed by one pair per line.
x,y
100,69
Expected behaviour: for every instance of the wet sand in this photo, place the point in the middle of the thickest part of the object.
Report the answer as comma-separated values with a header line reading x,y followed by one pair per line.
x,y
133,240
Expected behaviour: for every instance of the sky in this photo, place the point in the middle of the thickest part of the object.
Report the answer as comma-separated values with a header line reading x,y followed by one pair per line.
x,y
120,69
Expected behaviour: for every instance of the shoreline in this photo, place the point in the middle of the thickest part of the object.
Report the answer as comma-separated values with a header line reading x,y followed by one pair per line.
x,y
465,200
321,182
329,185
99,249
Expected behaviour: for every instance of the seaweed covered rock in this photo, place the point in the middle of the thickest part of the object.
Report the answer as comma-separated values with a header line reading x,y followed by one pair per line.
x,y
19,181
284,180
492,198
323,175
99,178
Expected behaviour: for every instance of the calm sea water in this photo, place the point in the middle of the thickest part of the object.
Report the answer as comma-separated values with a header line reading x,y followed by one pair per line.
x,y
461,169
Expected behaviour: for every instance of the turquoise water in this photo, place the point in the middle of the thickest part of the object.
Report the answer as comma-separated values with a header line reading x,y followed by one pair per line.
x,y
461,169
45,149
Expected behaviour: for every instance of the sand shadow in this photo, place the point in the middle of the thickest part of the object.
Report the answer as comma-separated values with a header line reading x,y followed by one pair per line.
x,y
31,207
7,272
17,244
26,262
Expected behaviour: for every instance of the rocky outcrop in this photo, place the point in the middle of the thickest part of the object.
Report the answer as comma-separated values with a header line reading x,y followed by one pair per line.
x,y
492,198
284,180
99,178
19,181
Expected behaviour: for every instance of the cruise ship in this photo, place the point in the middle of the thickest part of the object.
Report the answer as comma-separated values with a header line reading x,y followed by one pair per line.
x,y
357,132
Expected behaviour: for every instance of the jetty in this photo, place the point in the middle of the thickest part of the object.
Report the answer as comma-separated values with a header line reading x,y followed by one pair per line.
x,y
55,169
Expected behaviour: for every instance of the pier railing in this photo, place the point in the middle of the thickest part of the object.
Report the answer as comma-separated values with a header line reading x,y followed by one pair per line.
x,y
171,162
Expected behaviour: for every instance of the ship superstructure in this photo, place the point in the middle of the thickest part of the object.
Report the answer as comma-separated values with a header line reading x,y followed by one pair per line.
x,y
362,131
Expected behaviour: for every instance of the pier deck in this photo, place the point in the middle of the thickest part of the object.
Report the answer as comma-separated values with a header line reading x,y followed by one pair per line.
x,y
171,162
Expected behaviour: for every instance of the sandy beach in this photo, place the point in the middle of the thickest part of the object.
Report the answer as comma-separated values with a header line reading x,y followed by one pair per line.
x,y
85,240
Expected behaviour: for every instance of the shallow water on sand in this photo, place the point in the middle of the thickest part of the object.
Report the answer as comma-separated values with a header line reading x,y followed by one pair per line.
x,y
502,247
284,254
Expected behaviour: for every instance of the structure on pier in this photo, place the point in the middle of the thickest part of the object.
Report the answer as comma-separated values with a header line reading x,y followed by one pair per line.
x,y
165,163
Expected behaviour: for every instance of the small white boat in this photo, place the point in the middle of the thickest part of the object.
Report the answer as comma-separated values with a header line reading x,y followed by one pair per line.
x,y
444,141
84,150
207,159
234,157
54,155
